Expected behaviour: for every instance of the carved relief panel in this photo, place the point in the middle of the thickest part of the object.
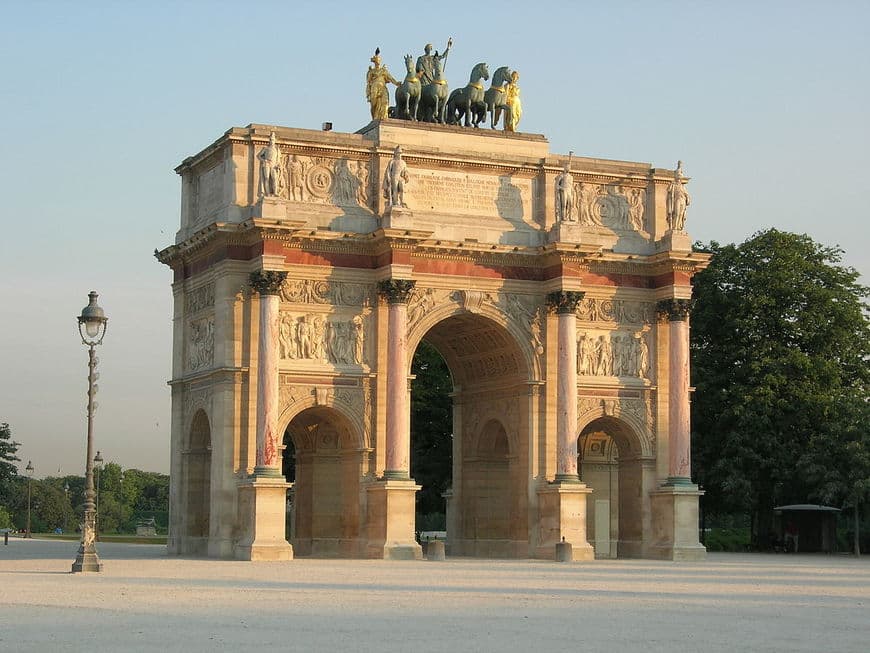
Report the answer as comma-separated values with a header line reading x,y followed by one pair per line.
x,y
613,353
323,180
610,205
321,338
200,344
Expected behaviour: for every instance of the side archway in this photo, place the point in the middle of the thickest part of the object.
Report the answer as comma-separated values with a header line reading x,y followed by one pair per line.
x,y
326,469
613,462
196,474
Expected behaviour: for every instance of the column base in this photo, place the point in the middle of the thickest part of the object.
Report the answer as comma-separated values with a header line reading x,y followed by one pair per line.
x,y
675,523
390,518
262,509
562,514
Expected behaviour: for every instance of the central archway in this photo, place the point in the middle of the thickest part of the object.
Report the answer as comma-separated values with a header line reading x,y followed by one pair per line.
x,y
488,500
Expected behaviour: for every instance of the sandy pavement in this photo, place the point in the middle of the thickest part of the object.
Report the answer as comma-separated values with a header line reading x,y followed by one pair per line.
x,y
146,601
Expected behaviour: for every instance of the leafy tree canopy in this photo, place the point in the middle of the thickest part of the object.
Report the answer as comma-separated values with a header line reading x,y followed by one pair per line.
x,y
780,348
8,449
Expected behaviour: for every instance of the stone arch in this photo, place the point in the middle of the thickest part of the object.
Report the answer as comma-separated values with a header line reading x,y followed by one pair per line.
x,y
196,477
328,399
613,462
632,432
488,310
490,368
325,507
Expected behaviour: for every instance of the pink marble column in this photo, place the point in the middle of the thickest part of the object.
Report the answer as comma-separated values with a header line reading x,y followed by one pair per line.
x,y
268,284
679,467
398,453
565,304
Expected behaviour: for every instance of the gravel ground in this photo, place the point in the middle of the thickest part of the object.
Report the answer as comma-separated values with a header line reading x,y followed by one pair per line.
x,y
146,601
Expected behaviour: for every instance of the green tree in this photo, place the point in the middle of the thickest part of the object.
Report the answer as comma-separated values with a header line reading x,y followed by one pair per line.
x,y
431,432
8,449
780,343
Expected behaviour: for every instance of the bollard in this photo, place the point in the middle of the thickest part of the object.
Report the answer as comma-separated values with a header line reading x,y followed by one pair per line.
x,y
435,550
6,538
564,551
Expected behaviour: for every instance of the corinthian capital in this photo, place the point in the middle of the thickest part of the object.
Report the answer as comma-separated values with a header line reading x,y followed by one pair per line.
x,y
565,301
396,291
674,310
267,282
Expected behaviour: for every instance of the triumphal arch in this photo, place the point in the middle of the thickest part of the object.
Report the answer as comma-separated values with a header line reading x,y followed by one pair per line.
x,y
310,265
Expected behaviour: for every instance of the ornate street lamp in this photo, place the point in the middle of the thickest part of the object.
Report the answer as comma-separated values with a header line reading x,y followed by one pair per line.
x,y
29,470
92,328
98,465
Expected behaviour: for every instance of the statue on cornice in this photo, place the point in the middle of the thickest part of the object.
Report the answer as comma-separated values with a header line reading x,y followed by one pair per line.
x,y
377,79
270,169
514,104
565,194
395,178
678,200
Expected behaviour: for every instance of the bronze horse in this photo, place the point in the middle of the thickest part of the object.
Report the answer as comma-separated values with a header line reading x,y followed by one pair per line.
x,y
468,101
433,97
408,93
496,95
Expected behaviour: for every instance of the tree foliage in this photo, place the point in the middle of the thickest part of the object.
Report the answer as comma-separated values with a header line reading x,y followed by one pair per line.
x,y
8,449
780,346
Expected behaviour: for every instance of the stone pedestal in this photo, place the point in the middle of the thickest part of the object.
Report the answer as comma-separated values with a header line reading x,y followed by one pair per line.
x,y
566,232
397,217
263,510
274,208
674,241
675,524
391,520
562,514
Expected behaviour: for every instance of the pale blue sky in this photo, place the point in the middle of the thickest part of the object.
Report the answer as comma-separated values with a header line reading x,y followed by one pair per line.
x,y
767,104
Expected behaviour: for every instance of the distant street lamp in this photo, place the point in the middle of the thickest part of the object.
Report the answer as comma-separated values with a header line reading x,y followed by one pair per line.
x,y
29,470
92,328
98,465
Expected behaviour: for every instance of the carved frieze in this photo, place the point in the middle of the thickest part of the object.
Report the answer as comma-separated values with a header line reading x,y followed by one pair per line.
x,y
194,399
200,350
610,205
289,394
315,337
422,301
324,180
525,311
472,300
199,298
616,353
337,293
614,310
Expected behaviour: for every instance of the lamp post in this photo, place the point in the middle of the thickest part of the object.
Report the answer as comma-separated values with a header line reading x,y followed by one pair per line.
x,y
29,470
98,465
92,328
65,514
